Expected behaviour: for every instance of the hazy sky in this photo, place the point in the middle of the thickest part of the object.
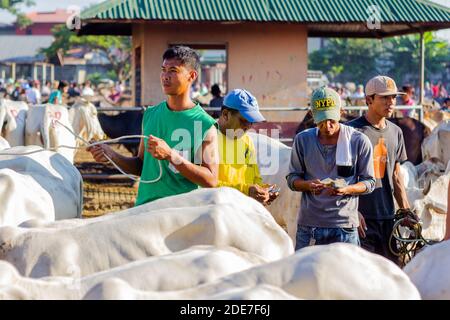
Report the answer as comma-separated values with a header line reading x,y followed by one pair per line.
x,y
48,5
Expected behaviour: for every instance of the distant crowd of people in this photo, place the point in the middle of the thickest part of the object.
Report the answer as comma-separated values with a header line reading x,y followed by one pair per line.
x,y
56,92
350,94
432,92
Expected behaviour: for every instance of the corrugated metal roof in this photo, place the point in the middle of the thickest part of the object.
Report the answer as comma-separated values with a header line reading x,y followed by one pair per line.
x,y
300,11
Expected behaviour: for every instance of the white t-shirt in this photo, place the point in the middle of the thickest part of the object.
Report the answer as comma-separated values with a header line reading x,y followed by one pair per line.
x,y
45,91
87,92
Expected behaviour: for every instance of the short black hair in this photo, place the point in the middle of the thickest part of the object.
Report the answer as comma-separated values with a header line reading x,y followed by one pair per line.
x,y
407,87
188,56
215,90
232,111
62,85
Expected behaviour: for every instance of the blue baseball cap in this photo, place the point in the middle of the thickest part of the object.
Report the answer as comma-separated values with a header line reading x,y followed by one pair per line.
x,y
245,103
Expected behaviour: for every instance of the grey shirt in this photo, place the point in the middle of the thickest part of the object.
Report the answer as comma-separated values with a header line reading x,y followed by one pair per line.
x,y
389,148
311,160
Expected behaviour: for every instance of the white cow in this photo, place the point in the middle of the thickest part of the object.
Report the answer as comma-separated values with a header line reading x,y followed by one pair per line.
x,y
337,271
42,129
317,272
432,209
83,117
219,216
4,144
436,144
14,286
117,289
42,185
12,121
425,184
429,271
273,161
177,271
434,118
418,179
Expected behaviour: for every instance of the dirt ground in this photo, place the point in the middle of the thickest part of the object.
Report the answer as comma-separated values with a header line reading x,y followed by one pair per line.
x,y
103,196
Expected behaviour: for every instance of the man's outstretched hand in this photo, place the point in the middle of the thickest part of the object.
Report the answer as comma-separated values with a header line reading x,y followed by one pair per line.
x,y
99,151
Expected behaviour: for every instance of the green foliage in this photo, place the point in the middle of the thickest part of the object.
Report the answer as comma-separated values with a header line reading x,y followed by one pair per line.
x,y
95,78
404,52
344,59
111,74
357,60
11,6
117,49
62,41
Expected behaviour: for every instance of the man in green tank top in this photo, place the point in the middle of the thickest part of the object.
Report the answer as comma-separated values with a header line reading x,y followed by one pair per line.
x,y
181,151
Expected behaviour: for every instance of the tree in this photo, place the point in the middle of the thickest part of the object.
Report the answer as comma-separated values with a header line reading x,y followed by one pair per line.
x,y
12,7
357,60
404,52
117,49
347,59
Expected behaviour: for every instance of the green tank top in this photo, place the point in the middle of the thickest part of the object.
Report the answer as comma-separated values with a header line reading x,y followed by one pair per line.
x,y
183,131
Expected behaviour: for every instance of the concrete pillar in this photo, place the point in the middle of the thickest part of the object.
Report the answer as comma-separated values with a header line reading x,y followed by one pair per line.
x,y
44,73
13,71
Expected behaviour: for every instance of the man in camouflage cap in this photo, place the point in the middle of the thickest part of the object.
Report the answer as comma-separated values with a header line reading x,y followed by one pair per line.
x,y
328,213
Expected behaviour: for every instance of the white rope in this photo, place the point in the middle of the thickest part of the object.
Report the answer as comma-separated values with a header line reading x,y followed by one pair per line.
x,y
87,145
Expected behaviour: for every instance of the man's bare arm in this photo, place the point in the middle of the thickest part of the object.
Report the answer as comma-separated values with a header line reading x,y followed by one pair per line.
x,y
206,174
131,165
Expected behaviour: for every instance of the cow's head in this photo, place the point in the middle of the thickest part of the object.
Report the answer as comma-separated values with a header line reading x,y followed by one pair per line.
x,y
88,127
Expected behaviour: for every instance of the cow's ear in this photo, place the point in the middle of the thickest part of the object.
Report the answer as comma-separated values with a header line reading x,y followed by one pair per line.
x,y
11,123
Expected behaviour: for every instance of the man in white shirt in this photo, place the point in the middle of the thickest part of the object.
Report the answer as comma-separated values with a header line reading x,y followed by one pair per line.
x,y
87,90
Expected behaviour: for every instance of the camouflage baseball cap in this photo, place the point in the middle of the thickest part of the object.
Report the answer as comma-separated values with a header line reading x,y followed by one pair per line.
x,y
325,105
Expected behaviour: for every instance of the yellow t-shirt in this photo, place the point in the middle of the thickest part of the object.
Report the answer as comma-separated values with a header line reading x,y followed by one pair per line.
x,y
237,167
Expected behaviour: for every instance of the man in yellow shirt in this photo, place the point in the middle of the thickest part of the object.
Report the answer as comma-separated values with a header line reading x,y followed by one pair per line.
x,y
238,167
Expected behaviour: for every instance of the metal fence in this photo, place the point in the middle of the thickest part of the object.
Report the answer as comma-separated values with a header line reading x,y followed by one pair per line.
x,y
350,108
360,109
